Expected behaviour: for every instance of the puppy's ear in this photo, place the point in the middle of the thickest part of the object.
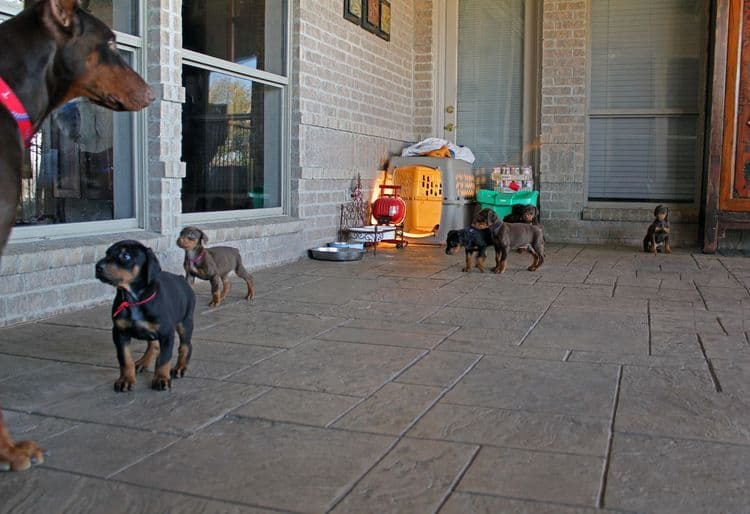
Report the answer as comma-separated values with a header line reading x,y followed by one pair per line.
x,y
204,237
666,216
62,11
153,268
657,209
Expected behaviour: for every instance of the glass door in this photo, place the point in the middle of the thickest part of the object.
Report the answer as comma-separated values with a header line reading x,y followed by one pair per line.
x,y
491,94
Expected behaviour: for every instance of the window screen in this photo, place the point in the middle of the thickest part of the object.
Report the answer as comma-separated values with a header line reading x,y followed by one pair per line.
x,y
646,94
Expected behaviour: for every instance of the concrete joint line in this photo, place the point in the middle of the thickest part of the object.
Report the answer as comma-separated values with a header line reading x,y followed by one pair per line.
x,y
536,322
711,371
610,438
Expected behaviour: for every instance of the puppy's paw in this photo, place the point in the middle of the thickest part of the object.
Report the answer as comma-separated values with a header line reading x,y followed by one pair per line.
x,y
161,383
178,371
498,269
667,249
124,383
20,456
465,270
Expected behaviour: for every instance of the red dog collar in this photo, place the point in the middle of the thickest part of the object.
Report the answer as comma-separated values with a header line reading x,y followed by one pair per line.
x,y
11,102
124,305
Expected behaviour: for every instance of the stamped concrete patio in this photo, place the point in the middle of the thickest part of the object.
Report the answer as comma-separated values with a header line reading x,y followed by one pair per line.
x,y
609,381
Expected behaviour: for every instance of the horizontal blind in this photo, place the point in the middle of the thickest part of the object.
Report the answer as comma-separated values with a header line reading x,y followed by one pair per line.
x,y
647,59
490,80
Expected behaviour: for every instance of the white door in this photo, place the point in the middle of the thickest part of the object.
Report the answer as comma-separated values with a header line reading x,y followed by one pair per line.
x,y
490,87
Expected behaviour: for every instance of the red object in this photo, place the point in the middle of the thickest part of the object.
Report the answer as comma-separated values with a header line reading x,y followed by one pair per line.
x,y
389,207
514,186
11,102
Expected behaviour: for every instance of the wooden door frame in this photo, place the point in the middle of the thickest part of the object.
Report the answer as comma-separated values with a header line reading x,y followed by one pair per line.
x,y
723,212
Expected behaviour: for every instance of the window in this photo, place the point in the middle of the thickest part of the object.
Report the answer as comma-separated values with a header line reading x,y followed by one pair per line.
x,y
648,83
81,166
235,80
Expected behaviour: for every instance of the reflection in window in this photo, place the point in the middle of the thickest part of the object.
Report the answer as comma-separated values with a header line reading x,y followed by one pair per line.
x,y
69,174
231,143
247,32
120,15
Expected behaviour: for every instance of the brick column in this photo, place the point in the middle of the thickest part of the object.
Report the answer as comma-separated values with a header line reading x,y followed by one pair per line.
x,y
164,127
563,109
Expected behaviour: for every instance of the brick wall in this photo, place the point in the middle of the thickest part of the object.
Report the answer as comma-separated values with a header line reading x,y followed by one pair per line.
x,y
563,109
423,69
354,106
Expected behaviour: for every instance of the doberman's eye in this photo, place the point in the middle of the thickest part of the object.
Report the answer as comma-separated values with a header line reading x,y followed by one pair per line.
x,y
125,257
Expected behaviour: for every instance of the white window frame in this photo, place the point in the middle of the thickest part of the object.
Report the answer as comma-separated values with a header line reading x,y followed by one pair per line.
x,y
210,63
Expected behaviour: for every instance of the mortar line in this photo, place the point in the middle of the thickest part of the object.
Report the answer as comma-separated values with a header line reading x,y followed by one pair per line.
x,y
723,328
399,437
709,365
731,274
648,313
610,438
575,256
700,293
457,479
378,389
536,322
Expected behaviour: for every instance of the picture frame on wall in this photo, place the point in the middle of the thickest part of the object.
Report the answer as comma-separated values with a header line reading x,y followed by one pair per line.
x,y
384,28
353,11
371,15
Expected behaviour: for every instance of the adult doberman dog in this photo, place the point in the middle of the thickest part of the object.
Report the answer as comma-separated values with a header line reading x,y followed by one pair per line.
x,y
52,51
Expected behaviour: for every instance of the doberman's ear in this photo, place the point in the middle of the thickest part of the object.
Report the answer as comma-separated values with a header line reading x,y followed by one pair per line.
x,y
204,237
62,11
153,268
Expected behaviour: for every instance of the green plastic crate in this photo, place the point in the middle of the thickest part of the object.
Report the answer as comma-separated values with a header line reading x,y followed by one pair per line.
x,y
502,203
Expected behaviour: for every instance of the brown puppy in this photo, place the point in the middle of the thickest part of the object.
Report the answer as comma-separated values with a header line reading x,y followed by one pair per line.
x,y
507,236
657,235
212,264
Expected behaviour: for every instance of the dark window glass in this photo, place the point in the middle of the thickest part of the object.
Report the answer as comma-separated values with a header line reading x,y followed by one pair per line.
x,y
120,15
247,32
231,142
79,167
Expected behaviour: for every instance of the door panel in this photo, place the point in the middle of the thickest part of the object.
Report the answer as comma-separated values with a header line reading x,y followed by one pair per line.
x,y
735,173
490,79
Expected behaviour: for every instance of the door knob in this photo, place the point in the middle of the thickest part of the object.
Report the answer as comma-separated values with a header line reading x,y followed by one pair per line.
x,y
449,127
450,109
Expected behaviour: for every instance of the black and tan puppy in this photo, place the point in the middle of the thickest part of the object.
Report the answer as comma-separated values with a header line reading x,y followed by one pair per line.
x,y
474,242
522,214
151,305
213,264
507,236
657,235
484,218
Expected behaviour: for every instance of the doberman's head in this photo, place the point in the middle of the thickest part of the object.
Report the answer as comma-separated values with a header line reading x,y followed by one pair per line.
x,y
455,240
87,62
128,265
661,213
485,218
191,238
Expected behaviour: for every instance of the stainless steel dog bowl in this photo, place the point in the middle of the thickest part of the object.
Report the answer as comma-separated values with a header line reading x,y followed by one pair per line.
x,y
330,253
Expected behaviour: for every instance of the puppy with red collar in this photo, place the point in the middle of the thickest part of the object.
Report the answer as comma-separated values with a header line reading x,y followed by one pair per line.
x,y
151,305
